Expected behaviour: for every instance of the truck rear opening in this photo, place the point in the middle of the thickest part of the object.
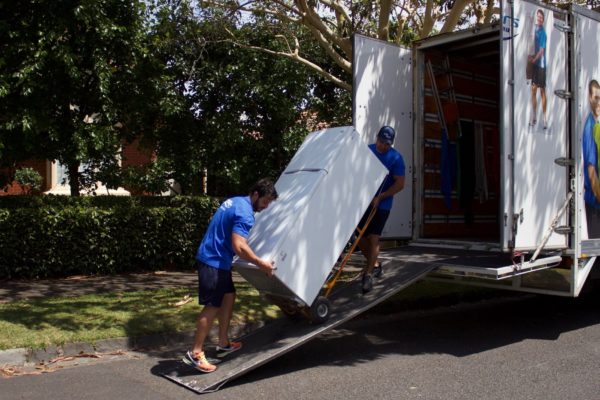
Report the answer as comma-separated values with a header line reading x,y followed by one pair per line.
x,y
460,165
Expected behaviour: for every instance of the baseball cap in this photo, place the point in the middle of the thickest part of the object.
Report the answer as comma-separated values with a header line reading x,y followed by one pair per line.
x,y
386,134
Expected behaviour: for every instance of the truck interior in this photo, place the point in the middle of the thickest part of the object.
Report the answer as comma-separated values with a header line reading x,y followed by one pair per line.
x,y
459,137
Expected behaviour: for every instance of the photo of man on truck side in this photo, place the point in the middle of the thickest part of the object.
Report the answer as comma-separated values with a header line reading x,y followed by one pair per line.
x,y
591,147
538,78
529,28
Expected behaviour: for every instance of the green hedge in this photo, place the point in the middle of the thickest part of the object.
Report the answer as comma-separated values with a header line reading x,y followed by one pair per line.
x,y
55,236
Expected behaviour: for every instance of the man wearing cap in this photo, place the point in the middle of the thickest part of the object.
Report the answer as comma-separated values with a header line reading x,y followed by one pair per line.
x,y
393,183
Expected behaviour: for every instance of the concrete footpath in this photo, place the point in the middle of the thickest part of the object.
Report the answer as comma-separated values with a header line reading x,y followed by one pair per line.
x,y
14,290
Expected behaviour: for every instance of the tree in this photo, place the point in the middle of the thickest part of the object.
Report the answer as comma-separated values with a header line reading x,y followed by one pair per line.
x,y
331,24
241,114
75,80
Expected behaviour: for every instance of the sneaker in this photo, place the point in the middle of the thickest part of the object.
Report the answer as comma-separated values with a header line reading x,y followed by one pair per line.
x,y
378,271
367,283
199,362
233,346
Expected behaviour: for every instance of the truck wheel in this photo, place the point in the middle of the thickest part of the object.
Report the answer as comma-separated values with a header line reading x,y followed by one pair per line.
x,y
320,310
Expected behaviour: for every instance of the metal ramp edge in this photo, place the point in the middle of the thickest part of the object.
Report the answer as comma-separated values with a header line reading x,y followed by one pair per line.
x,y
284,334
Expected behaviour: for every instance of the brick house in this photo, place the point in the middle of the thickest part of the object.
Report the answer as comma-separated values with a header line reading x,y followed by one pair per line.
x,y
53,173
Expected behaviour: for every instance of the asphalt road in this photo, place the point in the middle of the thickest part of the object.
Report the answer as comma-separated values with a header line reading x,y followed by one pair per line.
x,y
535,347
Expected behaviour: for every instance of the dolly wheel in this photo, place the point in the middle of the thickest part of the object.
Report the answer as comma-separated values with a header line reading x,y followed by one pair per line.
x,y
320,310
292,313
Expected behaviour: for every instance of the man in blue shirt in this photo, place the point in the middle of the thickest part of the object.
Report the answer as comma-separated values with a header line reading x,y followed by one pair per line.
x,y
226,236
382,202
539,70
590,145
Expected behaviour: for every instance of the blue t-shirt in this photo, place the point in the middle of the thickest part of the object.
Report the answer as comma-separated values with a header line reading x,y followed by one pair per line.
x,y
234,215
394,162
540,43
590,157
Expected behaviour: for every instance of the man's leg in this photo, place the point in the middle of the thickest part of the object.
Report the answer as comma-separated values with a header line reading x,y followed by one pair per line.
x,y
533,104
203,325
373,252
365,248
543,96
370,250
224,317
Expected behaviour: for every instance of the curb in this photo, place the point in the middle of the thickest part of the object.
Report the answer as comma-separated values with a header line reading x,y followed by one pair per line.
x,y
29,356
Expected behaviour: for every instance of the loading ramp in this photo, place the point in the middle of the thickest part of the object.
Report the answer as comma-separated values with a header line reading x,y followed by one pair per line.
x,y
285,334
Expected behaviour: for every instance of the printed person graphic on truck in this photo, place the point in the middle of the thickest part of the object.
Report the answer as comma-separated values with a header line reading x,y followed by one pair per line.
x,y
591,144
538,80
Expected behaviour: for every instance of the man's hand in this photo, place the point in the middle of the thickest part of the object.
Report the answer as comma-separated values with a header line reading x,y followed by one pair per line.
x,y
267,266
375,202
241,248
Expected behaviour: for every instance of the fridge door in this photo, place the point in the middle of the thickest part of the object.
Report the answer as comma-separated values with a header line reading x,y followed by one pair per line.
x,y
306,229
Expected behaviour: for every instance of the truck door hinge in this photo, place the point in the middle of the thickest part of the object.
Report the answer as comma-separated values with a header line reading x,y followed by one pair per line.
x,y
564,28
564,162
563,230
563,94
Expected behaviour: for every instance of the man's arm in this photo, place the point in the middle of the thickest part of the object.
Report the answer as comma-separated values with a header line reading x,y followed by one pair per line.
x,y
243,250
594,181
539,54
397,186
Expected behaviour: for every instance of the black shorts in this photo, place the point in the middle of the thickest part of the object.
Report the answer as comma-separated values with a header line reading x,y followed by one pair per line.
x,y
377,222
539,77
213,284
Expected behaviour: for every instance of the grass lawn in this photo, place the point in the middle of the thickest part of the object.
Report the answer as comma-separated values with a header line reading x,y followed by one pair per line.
x,y
55,321
39,323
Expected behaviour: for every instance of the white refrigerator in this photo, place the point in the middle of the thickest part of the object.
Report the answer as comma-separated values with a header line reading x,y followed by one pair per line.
x,y
323,193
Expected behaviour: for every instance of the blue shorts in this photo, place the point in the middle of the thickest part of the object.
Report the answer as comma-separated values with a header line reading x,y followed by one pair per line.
x,y
213,284
377,222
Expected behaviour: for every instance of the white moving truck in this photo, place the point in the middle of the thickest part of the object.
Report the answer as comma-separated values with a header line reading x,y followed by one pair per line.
x,y
498,139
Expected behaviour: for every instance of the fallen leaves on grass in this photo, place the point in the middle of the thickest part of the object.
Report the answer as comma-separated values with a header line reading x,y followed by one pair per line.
x,y
9,371
53,365
186,299
86,355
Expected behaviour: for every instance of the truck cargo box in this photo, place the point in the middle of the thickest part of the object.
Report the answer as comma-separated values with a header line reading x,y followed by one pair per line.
x,y
493,134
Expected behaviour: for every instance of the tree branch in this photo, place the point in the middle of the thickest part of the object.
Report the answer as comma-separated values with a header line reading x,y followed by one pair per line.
x,y
311,19
454,15
383,25
428,20
295,55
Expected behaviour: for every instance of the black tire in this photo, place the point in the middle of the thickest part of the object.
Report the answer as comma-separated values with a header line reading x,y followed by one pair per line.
x,y
320,310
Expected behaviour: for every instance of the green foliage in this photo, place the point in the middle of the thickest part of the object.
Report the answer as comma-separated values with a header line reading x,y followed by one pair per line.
x,y
245,112
79,78
151,179
99,235
75,80
29,179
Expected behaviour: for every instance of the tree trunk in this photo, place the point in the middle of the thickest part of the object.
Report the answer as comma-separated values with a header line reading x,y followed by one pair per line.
x,y
73,171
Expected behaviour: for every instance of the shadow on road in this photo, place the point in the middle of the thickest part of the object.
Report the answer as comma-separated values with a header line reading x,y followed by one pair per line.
x,y
459,331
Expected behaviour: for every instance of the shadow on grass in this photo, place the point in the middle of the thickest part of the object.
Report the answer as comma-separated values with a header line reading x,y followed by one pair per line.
x,y
39,323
